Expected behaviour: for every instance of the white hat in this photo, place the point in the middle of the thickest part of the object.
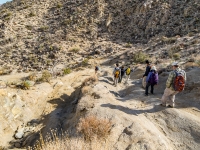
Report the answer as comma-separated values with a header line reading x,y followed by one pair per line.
x,y
175,64
153,68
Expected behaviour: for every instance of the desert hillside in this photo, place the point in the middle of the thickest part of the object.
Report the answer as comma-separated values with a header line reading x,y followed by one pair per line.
x,y
37,35
50,97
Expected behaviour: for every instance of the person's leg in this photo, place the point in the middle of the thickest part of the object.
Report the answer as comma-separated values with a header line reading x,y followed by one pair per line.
x,y
147,88
115,81
165,97
152,88
172,98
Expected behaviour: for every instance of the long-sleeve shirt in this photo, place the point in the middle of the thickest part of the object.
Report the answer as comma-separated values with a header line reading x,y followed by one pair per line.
x,y
148,68
172,75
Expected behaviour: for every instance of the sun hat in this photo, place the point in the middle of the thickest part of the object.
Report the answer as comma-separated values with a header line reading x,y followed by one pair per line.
x,y
175,64
153,68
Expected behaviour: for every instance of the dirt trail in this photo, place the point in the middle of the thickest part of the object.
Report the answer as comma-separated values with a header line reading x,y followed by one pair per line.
x,y
156,127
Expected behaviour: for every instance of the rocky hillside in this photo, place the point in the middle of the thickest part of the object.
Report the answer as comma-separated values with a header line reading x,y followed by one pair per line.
x,y
37,35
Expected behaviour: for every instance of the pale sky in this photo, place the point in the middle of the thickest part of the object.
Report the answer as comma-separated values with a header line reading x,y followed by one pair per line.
x,y
3,1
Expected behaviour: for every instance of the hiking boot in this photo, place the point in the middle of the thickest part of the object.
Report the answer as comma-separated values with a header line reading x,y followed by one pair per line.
x,y
165,105
145,94
172,106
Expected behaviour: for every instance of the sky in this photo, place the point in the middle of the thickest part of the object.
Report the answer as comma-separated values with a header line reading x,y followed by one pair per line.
x,y
3,1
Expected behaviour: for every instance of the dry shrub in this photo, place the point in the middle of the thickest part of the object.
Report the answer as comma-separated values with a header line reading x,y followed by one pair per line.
x,y
169,40
176,56
140,57
89,81
62,141
46,76
32,77
92,127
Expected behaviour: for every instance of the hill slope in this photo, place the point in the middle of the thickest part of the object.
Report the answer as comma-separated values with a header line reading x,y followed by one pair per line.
x,y
40,34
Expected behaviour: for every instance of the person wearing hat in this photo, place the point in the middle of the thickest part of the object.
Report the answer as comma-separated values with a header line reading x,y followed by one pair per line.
x,y
148,68
151,80
170,92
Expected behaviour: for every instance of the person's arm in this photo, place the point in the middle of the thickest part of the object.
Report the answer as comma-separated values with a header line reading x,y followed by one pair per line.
x,y
185,76
170,79
147,71
147,80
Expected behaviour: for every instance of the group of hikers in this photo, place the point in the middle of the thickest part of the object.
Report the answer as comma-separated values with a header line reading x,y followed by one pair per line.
x,y
120,72
175,82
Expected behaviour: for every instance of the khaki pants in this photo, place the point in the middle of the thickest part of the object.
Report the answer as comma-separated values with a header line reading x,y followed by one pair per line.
x,y
144,82
116,80
168,97
128,77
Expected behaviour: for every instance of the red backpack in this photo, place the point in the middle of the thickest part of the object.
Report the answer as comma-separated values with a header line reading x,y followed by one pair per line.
x,y
179,81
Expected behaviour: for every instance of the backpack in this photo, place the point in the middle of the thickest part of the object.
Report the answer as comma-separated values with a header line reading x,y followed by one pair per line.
x,y
153,79
179,81
117,72
128,71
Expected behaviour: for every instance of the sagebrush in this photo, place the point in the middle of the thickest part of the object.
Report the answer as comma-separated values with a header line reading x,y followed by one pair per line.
x,y
92,127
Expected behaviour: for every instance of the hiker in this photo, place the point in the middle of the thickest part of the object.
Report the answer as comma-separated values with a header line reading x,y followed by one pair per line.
x,y
122,74
96,69
148,68
128,73
152,79
117,74
175,84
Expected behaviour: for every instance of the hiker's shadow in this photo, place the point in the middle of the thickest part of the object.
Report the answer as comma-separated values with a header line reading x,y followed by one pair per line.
x,y
106,81
127,110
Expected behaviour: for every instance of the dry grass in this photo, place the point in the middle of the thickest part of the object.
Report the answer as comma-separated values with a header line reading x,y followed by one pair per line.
x,y
92,127
75,49
55,141
89,81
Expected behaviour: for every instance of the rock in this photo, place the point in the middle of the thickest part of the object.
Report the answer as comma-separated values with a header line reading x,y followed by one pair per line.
x,y
58,84
17,145
20,133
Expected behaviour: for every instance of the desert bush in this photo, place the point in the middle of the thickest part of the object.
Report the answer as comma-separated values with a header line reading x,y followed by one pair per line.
x,y
176,56
66,71
31,14
32,77
140,57
25,85
198,62
175,49
59,5
5,70
43,28
92,127
74,49
46,76
29,27
89,81
85,62
169,40
128,45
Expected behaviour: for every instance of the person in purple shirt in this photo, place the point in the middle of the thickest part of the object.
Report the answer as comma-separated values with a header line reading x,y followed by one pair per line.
x,y
151,80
